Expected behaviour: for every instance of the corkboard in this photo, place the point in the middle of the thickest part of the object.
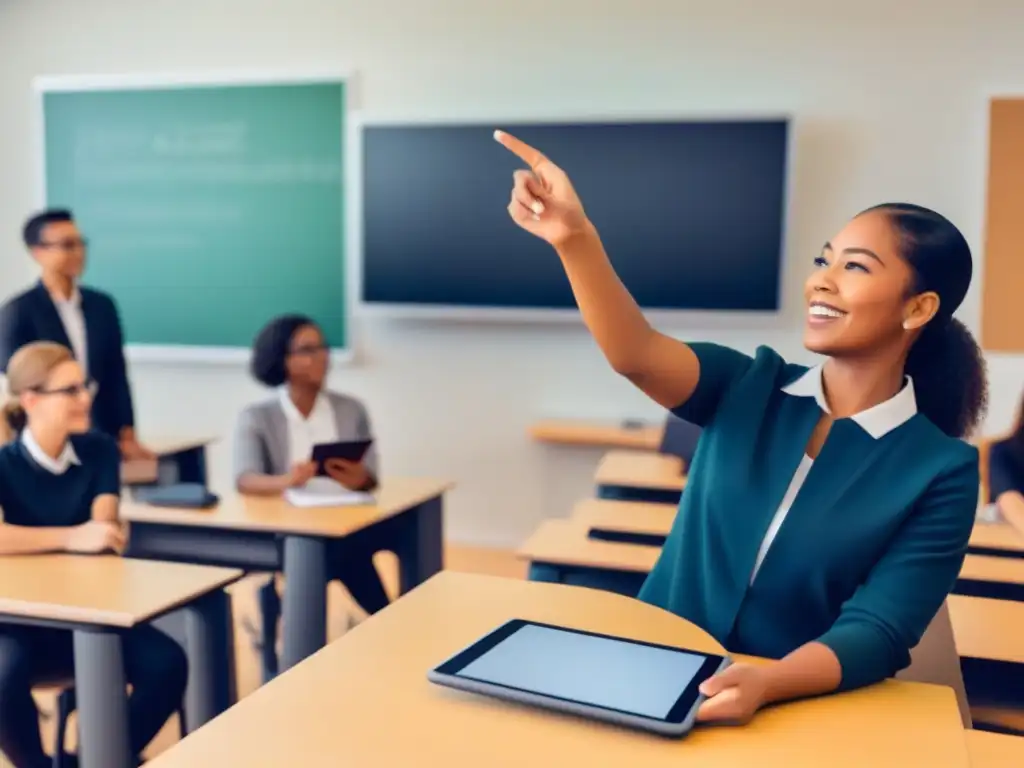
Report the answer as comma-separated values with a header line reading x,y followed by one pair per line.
x,y
1002,321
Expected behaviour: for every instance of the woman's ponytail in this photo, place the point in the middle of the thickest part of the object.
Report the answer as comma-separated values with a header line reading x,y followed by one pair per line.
x,y
14,418
948,369
949,374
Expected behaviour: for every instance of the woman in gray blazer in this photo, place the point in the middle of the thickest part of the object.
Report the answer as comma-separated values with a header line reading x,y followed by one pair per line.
x,y
273,446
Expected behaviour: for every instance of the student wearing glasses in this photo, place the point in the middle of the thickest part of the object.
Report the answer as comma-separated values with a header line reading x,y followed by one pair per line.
x,y
83,319
273,447
59,492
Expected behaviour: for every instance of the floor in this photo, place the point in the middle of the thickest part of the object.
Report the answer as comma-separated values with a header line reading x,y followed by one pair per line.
x,y
342,613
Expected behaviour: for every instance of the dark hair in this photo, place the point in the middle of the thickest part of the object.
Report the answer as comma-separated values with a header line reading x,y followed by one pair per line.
x,y
945,362
270,349
32,232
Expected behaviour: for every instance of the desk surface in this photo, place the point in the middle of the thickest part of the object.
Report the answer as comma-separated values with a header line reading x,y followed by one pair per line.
x,y
343,704
597,434
1000,535
985,628
565,543
103,590
631,516
637,469
994,750
273,513
1004,570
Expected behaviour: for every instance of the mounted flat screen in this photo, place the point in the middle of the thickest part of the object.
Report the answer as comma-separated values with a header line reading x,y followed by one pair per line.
x,y
692,213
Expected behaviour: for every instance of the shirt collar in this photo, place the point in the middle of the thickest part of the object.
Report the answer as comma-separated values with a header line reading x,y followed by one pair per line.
x,y
74,300
57,466
294,413
877,420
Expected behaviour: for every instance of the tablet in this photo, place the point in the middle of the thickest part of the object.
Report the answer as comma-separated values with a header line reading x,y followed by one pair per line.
x,y
626,682
350,450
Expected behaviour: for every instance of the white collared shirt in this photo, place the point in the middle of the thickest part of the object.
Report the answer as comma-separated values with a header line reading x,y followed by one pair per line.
x,y
57,466
73,319
876,421
303,433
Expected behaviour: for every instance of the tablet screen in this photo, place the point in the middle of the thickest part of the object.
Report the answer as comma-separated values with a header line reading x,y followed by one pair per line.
x,y
601,671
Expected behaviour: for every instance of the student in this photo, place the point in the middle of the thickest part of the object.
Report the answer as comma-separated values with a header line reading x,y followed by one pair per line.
x,y
1006,474
85,320
273,447
828,509
59,492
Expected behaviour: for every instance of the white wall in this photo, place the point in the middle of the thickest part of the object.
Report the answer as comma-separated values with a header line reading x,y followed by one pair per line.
x,y
889,101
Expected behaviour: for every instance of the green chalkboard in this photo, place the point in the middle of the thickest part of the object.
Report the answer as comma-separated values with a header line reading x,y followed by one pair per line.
x,y
208,209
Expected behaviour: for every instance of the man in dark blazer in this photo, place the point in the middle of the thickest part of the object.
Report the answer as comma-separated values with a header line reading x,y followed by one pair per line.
x,y
85,320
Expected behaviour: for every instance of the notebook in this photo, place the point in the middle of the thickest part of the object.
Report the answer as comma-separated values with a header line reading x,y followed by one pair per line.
x,y
324,492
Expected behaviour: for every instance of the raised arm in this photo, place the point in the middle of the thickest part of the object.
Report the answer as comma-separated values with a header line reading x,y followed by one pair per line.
x,y
545,204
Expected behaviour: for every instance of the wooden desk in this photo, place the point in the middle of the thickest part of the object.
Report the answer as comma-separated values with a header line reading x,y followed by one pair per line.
x,y
636,476
96,597
997,539
994,750
564,543
342,706
1007,572
626,516
985,628
245,532
597,434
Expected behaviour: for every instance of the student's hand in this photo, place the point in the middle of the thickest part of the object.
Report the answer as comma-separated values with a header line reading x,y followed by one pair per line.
x,y
543,200
734,695
352,474
97,536
132,450
300,474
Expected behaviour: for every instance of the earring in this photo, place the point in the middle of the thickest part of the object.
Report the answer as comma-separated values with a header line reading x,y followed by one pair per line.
x,y
906,327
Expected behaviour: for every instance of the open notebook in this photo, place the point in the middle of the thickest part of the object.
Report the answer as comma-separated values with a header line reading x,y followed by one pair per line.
x,y
324,492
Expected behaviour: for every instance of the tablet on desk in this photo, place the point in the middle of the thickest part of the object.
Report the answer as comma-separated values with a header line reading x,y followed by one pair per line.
x,y
349,450
627,682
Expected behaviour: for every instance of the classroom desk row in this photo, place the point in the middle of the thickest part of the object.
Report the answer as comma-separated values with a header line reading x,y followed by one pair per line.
x,y
173,574
342,705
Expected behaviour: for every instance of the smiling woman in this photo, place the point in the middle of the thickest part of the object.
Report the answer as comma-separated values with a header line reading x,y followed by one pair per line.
x,y
828,509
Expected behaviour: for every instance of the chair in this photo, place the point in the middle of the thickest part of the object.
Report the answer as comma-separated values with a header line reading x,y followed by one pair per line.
x,y
680,439
935,660
67,702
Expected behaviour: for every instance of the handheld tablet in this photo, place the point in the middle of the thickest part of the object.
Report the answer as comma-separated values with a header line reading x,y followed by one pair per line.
x,y
350,450
627,682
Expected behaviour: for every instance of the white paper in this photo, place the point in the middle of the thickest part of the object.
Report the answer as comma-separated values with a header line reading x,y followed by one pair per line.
x,y
324,492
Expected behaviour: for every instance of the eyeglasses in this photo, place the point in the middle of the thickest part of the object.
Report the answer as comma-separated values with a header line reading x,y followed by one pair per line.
x,y
308,349
88,387
66,245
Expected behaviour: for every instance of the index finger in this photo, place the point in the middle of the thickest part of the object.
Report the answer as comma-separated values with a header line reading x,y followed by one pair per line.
x,y
532,157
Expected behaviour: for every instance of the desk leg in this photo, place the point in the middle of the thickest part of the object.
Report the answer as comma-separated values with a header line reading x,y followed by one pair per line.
x,y
305,598
210,642
102,700
421,543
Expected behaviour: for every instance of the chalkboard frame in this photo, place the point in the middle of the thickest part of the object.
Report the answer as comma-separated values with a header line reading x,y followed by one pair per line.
x,y
215,355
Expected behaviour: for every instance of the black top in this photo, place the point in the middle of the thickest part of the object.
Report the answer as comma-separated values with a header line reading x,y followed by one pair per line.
x,y
1005,469
32,316
33,495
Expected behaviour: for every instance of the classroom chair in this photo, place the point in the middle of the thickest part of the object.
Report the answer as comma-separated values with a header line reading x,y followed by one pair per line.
x,y
680,439
935,660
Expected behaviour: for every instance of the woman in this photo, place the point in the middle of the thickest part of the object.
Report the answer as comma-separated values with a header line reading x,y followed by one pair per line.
x,y
1006,474
59,491
828,509
273,447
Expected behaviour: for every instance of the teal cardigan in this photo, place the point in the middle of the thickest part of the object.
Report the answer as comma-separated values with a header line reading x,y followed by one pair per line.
x,y
870,548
